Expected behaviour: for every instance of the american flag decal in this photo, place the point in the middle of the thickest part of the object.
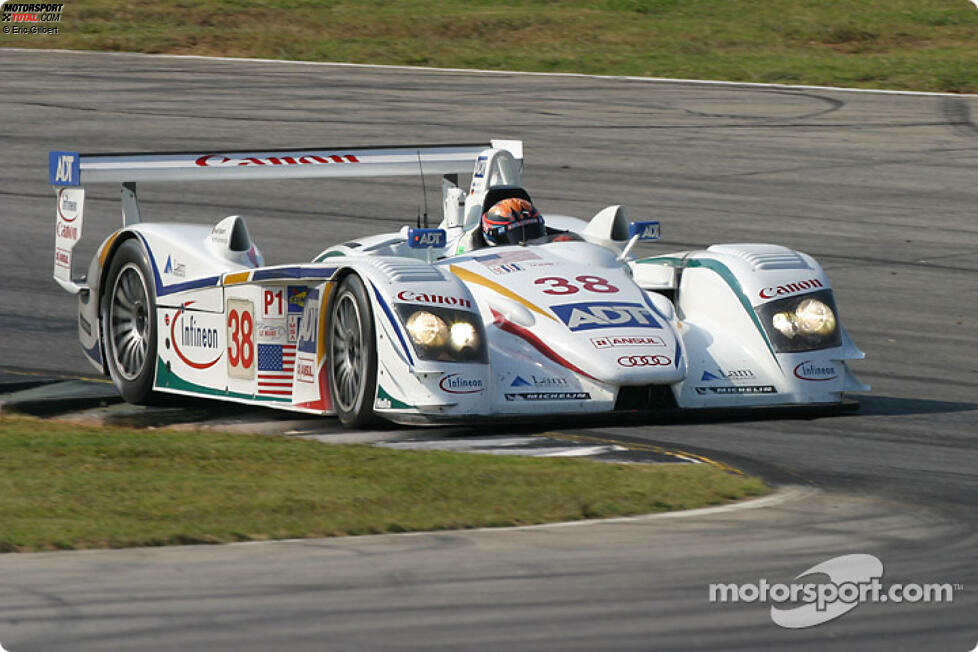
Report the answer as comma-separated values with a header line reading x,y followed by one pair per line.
x,y
276,363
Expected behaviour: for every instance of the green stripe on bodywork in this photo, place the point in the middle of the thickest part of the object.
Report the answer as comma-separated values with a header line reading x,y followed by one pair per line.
x,y
328,254
727,276
169,380
395,403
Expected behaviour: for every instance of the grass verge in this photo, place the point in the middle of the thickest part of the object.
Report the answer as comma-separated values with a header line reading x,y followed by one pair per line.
x,y
906,44
65,486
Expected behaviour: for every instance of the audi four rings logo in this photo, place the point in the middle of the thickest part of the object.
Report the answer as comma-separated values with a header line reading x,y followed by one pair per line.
x,y
644,361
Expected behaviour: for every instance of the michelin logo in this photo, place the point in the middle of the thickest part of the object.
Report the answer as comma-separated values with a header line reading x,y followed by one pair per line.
x,y
605,314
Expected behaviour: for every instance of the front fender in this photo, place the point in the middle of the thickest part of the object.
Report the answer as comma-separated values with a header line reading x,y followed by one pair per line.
x,y
407,383
733,360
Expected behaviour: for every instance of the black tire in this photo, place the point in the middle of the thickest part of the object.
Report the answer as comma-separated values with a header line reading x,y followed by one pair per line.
x,y
352,354
128,314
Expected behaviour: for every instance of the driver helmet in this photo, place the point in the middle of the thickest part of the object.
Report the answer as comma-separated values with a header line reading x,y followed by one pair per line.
x,y
512,221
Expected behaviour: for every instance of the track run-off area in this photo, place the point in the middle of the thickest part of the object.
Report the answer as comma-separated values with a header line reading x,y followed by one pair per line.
x,y
881,188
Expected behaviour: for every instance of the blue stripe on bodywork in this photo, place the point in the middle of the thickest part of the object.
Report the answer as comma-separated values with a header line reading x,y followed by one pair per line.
x,y
652,307
393,321
163,290
95,353
297,272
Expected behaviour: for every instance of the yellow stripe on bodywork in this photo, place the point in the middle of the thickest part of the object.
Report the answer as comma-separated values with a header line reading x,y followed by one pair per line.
x,y
472,277
236,278
107,247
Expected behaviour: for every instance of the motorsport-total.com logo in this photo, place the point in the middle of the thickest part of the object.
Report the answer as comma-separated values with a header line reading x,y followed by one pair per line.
x,y
30,17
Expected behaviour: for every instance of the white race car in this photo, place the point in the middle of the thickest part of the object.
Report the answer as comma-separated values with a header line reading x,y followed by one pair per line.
x,y
433,325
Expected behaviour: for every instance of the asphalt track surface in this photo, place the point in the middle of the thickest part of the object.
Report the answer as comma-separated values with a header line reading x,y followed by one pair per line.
x,y
880,188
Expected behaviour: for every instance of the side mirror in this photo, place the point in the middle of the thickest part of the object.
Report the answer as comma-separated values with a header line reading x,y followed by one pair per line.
x,y
639,232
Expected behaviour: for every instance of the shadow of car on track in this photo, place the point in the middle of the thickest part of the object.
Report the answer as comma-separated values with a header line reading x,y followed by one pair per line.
x,y
897,405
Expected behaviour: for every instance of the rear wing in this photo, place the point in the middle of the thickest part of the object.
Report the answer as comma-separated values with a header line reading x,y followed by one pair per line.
x,y
69,171
74,169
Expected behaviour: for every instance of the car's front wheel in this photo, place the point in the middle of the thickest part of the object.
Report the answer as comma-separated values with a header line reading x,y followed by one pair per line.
x,y
352,354
129,323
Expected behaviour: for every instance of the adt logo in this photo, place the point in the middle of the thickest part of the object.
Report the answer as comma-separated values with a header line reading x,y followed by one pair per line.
x,y
645,231
605,314
63,168
308,331
424,238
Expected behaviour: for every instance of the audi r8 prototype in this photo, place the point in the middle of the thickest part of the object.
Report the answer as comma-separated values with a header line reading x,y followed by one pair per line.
x,y
435,324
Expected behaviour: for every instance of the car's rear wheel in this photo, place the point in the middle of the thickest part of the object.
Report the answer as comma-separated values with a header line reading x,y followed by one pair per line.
x,y
129,323
352,354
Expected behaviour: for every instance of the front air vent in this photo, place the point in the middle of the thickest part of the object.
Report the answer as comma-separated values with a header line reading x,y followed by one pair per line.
x,y
763,256
401,270
645,397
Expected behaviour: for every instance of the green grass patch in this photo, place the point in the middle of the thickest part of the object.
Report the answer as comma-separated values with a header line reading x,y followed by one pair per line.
x,y
64,486
908,44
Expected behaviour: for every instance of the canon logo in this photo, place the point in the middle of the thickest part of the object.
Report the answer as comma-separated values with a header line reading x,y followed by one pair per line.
x,y
408,295
644,361
219,160
790,288
66,231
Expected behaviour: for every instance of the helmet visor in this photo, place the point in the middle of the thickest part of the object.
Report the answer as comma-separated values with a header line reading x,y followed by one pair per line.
x,y
521,230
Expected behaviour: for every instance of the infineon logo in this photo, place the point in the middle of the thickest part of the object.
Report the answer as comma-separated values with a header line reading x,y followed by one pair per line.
x,y
194,342
818,372
456,384
637,340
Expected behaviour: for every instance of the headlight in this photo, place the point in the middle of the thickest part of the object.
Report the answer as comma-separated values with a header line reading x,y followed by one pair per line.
x,y
815,317
811,317
805,323
463,336
785,323
426,329
444,334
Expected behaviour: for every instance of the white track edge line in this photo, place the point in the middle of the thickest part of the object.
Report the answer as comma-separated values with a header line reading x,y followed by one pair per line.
x,y
377,66
786,494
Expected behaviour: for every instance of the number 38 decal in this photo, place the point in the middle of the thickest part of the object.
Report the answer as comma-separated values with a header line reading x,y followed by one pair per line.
x,y
241,339
558,285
